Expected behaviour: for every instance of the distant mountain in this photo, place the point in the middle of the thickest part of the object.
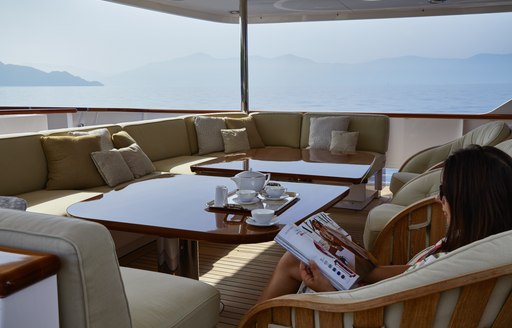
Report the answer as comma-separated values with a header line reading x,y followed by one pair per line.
x,y
290,70
16,75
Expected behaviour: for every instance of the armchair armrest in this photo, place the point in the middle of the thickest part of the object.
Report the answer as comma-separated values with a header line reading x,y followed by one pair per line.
x,y
419,225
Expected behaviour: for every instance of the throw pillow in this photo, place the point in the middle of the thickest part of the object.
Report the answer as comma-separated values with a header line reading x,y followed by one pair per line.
x,y
112,167
209,137
138,162
320,129
69,161
13,203
105,141
122,139
252,131
343,141
235,140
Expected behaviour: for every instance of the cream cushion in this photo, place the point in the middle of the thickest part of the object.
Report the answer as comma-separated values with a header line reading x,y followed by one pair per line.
x,y
320,130
105,137
209,137
122,139
112,167
138,162
252,131
69,162
235,140
491,252
343,141
173,300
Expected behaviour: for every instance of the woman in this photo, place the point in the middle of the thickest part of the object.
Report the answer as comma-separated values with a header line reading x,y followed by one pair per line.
x,y
476,197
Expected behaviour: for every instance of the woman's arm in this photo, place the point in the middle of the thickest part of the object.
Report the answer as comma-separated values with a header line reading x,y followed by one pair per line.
x,y
383,272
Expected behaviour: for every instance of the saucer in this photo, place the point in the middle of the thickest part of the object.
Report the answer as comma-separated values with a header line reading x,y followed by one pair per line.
x,y
267,197
253,201
251,221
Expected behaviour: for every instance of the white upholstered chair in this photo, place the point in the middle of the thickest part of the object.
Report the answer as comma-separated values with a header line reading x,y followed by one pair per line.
x,y
93,291
488,134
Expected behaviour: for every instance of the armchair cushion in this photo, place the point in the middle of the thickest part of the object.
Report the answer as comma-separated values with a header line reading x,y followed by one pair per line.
x,y
156,298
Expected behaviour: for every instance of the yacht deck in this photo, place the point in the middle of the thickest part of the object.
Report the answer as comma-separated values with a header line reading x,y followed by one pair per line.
x,y
240,272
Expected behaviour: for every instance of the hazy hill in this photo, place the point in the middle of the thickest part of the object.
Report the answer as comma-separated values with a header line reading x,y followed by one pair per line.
x,y
16,75
290,70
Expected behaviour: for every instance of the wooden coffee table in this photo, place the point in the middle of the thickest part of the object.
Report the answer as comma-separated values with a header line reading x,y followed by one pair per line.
x,y
175,207
295,164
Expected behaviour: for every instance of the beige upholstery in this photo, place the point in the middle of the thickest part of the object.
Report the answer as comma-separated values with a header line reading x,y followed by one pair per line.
x,y
423,186
279,129
488,134
160,139
93,292
373,130
23,165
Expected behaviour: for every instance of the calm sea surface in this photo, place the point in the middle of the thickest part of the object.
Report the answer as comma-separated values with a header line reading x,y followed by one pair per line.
x,y
395,98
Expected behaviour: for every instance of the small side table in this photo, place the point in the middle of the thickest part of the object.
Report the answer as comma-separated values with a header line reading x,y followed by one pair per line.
x,y
28,289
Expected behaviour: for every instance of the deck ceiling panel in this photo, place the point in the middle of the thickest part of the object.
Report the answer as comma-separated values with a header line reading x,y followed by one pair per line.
x,y
278,11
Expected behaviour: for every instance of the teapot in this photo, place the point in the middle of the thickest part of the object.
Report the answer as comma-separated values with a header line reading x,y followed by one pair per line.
x,y
251,180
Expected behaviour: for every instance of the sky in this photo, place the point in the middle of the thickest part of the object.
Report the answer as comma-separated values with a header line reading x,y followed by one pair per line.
x,y
98,37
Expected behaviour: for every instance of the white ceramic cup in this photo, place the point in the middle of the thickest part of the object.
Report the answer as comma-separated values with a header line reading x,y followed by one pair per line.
x,y
262,215
275,191
246,195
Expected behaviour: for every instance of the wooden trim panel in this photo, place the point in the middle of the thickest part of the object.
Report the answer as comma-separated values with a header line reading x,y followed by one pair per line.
x,y
20,269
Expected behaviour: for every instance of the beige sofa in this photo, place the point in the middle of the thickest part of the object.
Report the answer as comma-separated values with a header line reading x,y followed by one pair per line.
x,y
93,291
172,146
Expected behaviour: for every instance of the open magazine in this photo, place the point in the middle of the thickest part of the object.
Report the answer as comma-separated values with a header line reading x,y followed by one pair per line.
x,y
321,239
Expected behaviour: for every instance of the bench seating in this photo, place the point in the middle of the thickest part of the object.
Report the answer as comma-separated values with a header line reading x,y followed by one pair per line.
x,y
172,146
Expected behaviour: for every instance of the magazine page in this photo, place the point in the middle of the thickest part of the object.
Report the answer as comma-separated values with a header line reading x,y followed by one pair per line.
x,y
325,230
299,243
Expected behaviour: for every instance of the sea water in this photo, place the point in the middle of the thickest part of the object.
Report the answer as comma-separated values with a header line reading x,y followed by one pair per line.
x,y
452,98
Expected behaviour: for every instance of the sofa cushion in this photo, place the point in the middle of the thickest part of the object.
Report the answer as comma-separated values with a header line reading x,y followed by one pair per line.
x,y
209,137
320,130
122,139
252,131
23,164
235,140
69,162
343,141
161,138
373,130
112,167
155,298
90,289
279,129
138,162
105,141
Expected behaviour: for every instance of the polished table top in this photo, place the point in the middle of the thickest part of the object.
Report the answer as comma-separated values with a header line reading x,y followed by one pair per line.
x,y
298,164
175,207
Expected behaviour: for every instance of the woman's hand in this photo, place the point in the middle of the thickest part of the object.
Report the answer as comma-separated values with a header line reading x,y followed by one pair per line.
x,y
314,278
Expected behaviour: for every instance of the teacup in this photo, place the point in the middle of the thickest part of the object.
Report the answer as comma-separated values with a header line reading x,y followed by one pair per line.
x,y
262,215
275,191
246,195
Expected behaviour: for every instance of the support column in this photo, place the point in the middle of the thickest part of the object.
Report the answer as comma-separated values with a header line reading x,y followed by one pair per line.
x,y
244,67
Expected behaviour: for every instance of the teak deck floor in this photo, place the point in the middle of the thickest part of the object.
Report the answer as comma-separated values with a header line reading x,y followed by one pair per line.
x,y
240,272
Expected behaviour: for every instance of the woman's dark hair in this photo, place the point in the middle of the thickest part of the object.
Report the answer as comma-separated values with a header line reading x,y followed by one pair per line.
x,y
477,184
